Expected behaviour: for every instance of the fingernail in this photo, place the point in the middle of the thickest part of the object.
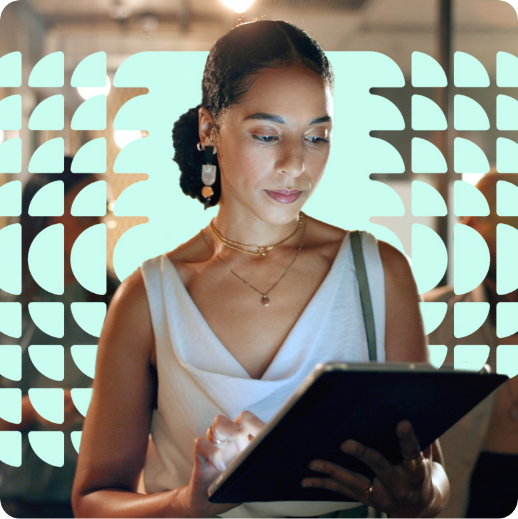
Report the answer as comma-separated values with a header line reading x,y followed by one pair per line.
x,y
315,465
350,447
306,483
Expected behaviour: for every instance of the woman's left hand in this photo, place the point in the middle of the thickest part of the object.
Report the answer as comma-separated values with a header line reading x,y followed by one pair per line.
x,y
403,490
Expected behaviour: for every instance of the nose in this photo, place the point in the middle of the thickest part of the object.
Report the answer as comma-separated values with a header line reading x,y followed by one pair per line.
x,y
291,160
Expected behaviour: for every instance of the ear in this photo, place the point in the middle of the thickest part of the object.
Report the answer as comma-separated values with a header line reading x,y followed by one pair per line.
x,y
206,128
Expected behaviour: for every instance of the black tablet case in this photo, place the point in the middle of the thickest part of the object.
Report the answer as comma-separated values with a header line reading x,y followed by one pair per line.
x,y
342,405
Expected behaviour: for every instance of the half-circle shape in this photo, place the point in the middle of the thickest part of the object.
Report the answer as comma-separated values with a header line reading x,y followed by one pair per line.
x,y
81,398
49,446
11,113
11,262
49,114
468,157
11,319
506,319
506,70
91,114
506,254
11,448
506,155
468,115
383,157
426,200
11,405
506,198
49,360
89,316
49,157
11,198
11,70
11,361
49,200
506,360
437,354
427,115
49,71
506,112
75,436
91,200
427,72
470,357
468,317
468,71
48,403
433,314
11,156
46,259
468,200
91,157
470,259
49,317
384,201
426,157
91,71
84,356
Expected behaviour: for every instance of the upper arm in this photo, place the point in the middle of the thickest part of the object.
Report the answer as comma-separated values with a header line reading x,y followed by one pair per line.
x,y
404,334
115,432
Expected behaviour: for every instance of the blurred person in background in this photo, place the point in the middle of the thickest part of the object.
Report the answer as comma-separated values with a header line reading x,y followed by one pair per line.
x,y
37,489
482,448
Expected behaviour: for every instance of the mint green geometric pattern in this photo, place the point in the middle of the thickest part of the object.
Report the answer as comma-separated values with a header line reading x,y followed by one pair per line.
x,y
427,115
91,71
468,71
468,157
11,319
49,360
11,198
426,200
506,319
75,436
89,316
11,361
48,403
433,315
11,113
429,257
49,71
470,357
11,259
437,354
84,356
506,112
11,70
468,317
426,157
49,114
507,360
385,201
506,70
46,259
468,200
81,397
49,200
469,115
11,447
506,254
506,155
49,318
91,114
49,446
91,200
91,157
427,72
471,259
11,405
49,157
88,258
506,199
11,156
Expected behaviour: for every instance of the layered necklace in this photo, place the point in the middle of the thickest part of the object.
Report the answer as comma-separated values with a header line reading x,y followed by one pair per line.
x,y
261,251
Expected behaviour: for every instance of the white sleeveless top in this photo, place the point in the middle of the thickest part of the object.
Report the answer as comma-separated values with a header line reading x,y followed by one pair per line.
x,y
198,378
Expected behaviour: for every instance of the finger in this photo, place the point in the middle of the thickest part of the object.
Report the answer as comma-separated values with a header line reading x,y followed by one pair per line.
x,y
408,443
210,453
251,423
354,482
224,429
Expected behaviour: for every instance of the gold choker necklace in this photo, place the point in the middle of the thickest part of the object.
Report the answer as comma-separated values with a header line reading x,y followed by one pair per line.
x,y
260,250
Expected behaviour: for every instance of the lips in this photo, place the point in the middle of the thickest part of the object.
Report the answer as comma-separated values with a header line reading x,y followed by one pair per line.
x,y
284,196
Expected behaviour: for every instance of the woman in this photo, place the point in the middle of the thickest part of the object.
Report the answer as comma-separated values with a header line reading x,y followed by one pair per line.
x,y
37,489
221,330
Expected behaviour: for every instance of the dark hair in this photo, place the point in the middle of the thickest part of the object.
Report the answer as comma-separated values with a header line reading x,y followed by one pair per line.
x,y
229,72
33,225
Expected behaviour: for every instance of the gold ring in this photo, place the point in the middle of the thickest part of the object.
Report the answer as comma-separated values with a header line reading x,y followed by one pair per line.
x,y
212,438
367,494
414,464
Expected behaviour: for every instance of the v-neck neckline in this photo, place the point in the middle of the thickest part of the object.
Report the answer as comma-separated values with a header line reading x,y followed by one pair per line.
x,y
327,280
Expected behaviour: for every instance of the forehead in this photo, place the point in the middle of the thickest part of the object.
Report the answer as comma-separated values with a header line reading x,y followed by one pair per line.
x,y
292,92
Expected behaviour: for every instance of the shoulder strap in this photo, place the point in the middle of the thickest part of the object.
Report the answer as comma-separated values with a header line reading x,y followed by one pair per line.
x,y
363,283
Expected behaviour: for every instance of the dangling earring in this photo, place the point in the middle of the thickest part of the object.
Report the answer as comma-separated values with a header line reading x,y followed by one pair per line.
x,y
208,172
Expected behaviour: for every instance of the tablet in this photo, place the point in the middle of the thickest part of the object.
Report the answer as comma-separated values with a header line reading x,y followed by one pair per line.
x,y
340,401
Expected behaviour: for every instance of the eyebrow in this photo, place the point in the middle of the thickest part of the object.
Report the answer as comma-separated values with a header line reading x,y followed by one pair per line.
x,y
280,120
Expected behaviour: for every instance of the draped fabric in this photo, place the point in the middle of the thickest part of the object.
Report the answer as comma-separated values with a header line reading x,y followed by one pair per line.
x,y
198,378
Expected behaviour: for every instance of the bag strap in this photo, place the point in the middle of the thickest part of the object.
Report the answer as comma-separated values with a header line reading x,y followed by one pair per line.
x,y
363,283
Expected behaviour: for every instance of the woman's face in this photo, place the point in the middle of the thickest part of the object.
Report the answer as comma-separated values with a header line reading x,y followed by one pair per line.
x,y
273,146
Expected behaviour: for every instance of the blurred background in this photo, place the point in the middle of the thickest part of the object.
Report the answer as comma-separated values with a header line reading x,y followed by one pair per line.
x,y
396,28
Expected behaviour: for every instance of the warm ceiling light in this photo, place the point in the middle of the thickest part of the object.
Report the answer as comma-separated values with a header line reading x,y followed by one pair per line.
x,y
239,6
124,137
88,92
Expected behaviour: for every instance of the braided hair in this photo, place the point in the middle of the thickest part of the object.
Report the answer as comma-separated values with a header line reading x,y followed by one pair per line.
x,y
233,62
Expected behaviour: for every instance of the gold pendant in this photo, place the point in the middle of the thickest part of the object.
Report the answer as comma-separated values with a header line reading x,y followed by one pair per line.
x,y
265,301
207,192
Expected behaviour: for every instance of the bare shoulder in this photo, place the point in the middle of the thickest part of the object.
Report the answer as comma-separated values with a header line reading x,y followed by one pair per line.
x,y
323,237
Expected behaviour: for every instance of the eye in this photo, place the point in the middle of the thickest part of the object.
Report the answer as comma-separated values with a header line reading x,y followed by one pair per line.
x,y
316,140
265,138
